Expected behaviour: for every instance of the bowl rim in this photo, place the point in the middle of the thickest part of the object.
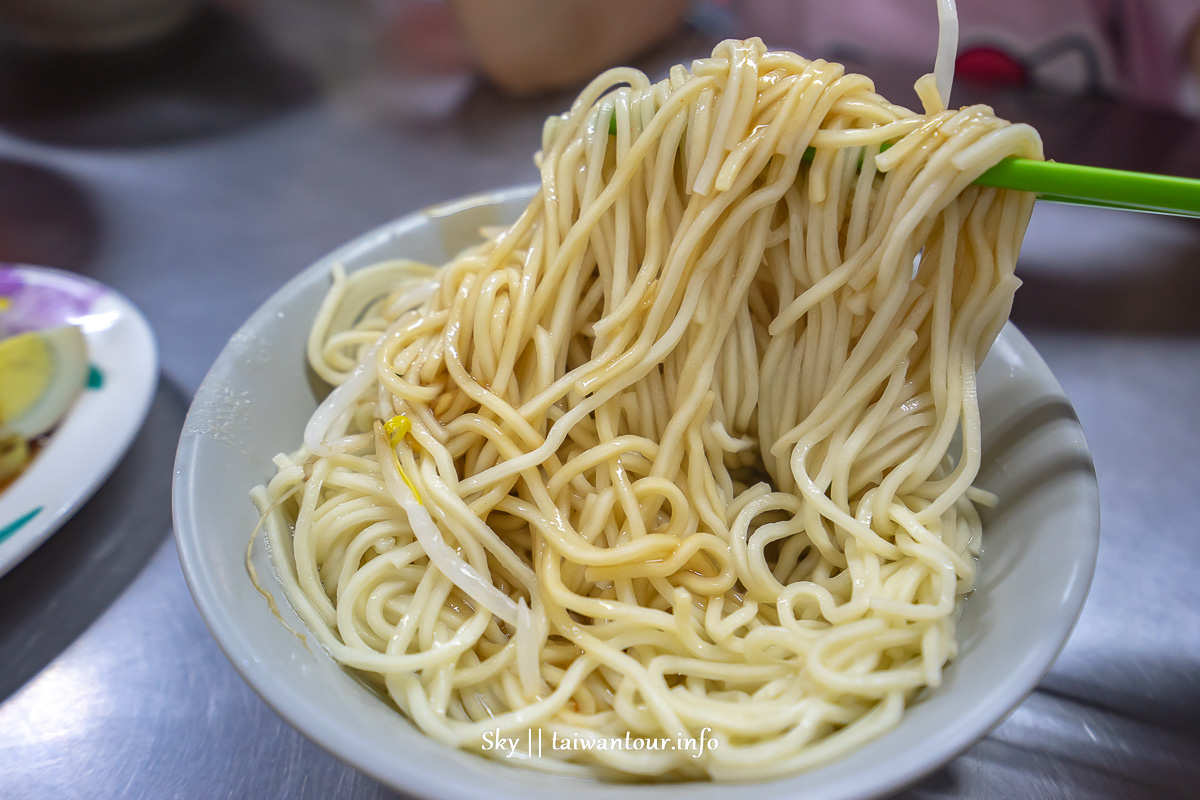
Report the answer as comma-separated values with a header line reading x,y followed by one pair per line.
x,y
298,710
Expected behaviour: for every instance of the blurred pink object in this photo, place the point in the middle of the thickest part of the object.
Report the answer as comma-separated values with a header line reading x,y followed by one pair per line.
x,y
1137,49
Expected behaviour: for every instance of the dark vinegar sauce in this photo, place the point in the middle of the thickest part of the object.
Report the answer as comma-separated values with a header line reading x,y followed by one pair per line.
x,y
35,446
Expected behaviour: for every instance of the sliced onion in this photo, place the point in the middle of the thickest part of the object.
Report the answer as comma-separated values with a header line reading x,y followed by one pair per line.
x,y
336,409
441,555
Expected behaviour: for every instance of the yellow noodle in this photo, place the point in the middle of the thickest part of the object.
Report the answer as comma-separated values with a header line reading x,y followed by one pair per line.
x,y
684,455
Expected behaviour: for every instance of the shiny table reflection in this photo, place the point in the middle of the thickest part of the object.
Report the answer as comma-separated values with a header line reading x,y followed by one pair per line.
x,y
196,177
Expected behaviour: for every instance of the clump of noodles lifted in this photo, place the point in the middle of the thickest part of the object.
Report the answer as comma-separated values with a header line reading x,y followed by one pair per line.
x,y
683,448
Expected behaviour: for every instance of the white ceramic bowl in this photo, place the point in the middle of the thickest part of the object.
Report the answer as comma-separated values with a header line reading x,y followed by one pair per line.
x,y
1039,552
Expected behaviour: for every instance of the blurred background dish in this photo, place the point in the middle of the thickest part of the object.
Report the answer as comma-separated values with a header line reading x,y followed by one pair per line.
x,y
79,25
85,445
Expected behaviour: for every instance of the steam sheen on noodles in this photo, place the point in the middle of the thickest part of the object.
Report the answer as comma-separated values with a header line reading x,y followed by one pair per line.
x,y
692,442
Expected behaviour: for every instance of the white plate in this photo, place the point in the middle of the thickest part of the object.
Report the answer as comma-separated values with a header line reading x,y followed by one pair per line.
x,y
101,424
1040,549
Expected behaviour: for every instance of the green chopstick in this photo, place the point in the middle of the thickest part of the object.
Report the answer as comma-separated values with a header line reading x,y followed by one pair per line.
x,y
1096,186
1078,185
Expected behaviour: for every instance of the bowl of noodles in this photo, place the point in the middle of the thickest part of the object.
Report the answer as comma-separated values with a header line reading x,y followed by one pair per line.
x,y
709,460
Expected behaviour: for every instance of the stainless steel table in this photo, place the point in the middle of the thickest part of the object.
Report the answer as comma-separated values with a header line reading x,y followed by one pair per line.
x,y
198,176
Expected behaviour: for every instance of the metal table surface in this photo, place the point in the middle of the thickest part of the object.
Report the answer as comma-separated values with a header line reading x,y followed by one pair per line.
x,y
197,178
